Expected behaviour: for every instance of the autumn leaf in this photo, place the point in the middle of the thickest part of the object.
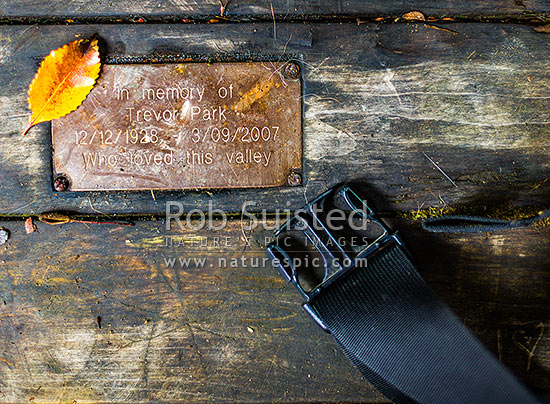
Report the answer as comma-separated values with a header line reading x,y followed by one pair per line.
x,y
413,16
63,80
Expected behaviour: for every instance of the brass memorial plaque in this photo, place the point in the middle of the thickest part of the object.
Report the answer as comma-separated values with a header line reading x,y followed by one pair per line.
x,y
184,126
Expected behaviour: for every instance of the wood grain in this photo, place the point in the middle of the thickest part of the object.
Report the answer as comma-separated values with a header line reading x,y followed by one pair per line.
x,y
249,9
473,97
95,314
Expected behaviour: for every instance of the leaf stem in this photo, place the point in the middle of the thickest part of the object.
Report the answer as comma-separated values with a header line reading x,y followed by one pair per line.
x,y
29,125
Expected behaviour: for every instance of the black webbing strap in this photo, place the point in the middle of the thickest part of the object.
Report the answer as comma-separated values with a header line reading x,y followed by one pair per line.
x,y
387,320
407,342
477,224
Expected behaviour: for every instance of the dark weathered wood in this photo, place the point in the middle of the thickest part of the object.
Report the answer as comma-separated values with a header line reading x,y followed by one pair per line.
x,y
214,334
473,97
498,284
243,9
94,314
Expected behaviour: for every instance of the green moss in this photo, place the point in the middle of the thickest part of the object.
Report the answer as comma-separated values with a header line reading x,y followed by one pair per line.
x,y
504,212
543,223
423,214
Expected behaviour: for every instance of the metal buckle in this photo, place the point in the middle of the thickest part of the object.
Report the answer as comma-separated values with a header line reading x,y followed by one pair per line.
x,y
311,221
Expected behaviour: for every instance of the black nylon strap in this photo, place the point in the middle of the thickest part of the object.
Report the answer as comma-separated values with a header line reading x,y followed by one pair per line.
x,y
477,224
407,342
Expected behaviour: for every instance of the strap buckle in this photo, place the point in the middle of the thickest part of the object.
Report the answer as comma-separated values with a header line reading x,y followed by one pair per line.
x,y
327,240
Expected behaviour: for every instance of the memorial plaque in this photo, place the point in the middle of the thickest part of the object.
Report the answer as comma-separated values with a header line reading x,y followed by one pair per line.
x,y
183,126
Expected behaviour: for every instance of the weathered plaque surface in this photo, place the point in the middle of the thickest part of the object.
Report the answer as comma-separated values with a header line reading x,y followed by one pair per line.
x,y
183,126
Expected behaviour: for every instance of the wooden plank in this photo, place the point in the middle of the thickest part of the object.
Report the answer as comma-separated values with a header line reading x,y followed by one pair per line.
x,y
473,97
95,314
249,9
213,334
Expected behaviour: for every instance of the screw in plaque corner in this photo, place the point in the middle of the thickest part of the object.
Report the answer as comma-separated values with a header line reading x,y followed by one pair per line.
x,y
294,179
292,71
61,183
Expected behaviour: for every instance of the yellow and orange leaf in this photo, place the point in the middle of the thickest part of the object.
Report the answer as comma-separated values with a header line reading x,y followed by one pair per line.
x,y
63,80
414,16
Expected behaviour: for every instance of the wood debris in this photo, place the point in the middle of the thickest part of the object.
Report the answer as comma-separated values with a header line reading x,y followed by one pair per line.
x,y
4,236
30,227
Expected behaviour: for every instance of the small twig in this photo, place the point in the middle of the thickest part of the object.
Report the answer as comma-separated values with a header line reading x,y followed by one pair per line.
x,y
537,186
440,170
54,218
94,209
440,29
274,25
320,98
286,44
223,7
277,70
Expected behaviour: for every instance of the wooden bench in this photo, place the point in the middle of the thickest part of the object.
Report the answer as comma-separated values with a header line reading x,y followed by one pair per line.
x,y
96,312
